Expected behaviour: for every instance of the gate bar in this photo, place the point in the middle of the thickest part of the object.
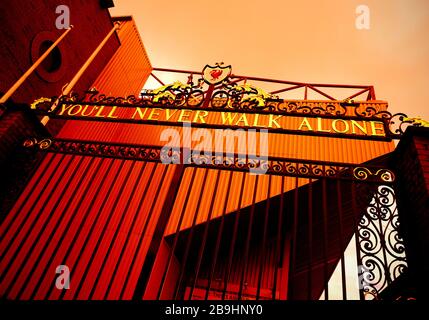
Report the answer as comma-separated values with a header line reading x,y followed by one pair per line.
x,y
206,230
234,238
190,238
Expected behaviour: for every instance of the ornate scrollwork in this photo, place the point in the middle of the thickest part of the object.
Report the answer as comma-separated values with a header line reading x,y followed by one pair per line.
x,y
170,156
45,144
38,103
174,95
396,123
42,144
177,94
288,167
365,173
84,148
418,122
274,165
314,108
29,142
241,97
382,251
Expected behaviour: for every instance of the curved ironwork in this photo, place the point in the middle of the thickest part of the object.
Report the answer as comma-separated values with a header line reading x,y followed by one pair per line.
x,y
237,162
382,251
108,150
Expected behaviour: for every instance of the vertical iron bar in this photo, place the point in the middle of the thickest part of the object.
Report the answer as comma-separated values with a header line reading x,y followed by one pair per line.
x,y
176,236
372,93
234,238
294,235
204,240
279,239
341,232
356,220
310,240
248,239
190,236
381,233
149,260
158,233
219,235
264,236
325,239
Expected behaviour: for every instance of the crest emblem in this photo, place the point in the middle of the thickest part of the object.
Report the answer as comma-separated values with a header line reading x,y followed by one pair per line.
x,y
216,74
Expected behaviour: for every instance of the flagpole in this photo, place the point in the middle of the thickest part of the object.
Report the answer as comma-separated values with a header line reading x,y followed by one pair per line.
x,y
18,83
78,75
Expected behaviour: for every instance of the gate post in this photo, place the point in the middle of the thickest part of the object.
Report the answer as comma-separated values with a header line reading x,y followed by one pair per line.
x,y
412,184
17,123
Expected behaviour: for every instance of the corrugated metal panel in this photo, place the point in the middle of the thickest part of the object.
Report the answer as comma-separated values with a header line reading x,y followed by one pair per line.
x,y
124,75
70,216
78,223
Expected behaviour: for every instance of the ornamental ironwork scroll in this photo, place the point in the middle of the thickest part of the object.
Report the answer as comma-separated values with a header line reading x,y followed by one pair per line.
x,y
97,149
382,250
236,162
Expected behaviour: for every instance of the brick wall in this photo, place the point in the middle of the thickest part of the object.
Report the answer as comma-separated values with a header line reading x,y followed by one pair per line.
x,y
27,22
16,164
412,168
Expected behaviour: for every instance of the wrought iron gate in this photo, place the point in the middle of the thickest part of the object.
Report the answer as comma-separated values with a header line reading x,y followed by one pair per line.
x,y
291,245
305,229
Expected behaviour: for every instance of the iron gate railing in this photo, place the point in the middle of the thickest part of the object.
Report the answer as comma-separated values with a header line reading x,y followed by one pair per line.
x,y
305,229
287,246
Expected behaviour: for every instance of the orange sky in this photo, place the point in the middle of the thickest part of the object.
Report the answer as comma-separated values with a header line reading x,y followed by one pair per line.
x,y
308,41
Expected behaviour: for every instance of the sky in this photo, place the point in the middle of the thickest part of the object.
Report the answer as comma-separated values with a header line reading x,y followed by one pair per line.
x,y
307,40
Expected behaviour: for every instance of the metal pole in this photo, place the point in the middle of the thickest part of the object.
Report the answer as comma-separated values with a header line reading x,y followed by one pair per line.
x,y
18,83
78,75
